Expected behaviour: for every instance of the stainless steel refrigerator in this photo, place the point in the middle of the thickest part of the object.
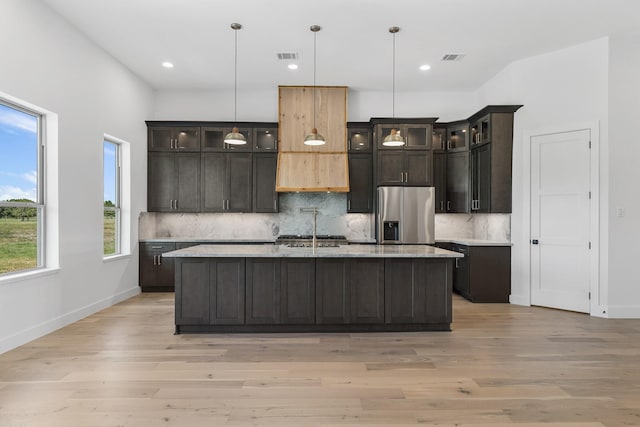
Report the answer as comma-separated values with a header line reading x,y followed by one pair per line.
x,y
406,215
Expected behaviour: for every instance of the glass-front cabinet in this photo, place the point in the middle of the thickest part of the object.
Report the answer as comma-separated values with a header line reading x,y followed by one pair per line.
x,y
266,139
481,130
458,136
174,138
213,139
439,138
416,136
359,139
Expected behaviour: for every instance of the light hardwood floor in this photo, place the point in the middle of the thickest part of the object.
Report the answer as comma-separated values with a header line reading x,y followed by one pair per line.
x,y
501,365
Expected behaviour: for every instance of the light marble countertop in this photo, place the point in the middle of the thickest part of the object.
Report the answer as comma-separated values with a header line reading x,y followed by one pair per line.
x,y
205,240
473,242
282,251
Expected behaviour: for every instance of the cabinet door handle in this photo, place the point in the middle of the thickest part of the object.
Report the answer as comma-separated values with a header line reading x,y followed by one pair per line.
x,y
448,205
155,260
441,205
348,205
457,263
159,259
275,204
176,203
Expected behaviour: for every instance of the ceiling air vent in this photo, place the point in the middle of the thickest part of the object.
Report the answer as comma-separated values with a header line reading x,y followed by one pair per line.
x,y
287,56
453,57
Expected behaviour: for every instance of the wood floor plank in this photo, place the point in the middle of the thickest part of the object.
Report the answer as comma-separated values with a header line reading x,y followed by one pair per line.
x,y
501,365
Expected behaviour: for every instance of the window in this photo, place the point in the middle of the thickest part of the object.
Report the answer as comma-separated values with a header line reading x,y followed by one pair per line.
x,y
21,189
112,198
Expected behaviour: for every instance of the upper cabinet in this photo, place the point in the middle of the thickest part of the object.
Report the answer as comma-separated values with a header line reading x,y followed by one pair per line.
x,y
491,159
265,139
359,137
439,137
213,139
417,136
174,138
458,136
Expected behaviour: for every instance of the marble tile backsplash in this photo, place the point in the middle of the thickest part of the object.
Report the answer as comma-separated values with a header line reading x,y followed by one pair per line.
x,y
474,226
332,219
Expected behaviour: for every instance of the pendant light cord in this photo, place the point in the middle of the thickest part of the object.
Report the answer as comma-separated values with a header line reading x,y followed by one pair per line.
x,y
235,81
315,34
393,84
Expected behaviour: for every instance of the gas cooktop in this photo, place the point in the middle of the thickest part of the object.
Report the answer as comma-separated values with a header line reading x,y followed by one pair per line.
x,y
306,240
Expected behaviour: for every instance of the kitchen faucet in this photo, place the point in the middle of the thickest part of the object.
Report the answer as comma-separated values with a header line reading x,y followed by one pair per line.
x,y
315,215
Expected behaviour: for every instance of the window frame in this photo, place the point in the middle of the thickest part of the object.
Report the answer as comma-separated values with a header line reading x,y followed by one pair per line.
x,y
40,202
117,208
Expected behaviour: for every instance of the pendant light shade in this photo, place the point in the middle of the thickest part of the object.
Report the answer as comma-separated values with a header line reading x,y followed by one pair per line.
x,y
314,138
394,139
235,137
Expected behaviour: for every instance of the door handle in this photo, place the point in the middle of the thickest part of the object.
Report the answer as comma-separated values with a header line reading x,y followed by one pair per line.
x,y
348,205
534,242
441,205
448,205
154,259
457,261
159,259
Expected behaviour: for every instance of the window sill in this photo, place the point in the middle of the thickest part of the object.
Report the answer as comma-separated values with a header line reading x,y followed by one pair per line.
x,y
116,257
27,275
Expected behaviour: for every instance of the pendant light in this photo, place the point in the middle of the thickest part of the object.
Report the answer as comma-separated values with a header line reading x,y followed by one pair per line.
x,y
235,137
394,139
314,138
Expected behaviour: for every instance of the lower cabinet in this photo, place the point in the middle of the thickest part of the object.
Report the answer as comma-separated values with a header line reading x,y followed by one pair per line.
x,y
417,291
484,274
312,294
210,291
157,274
298,293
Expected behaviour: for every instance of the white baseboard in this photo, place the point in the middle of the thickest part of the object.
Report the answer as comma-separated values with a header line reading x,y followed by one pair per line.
x,y
624,312
519,300
49,326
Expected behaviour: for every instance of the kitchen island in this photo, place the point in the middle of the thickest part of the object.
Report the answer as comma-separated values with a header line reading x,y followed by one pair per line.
x,y
275,288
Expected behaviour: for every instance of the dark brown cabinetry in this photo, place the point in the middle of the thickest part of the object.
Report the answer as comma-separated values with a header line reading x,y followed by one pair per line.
x,y
481,178
349,291
157,274
457,136
216,177
213,139
312,294
210,291
360,195
226,182
265,197
298,291
417,136
412,168
174,182
457,182
491,162
439,138
174,138
484,274
414,291
263,305
359,137
333,304
440,181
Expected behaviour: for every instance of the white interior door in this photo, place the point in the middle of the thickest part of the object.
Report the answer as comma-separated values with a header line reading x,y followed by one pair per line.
x,y
560,220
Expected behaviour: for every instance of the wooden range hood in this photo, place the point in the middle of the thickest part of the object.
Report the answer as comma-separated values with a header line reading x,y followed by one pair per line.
x,y
308,168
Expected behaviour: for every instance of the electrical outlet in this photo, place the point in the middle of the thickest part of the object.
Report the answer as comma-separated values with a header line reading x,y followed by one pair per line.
x,y
620,212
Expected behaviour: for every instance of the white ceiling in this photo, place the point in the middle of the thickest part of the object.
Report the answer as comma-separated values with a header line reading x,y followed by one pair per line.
x,y
354,47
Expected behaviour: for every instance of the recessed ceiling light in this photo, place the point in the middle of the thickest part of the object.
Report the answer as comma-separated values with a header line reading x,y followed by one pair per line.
x,y
167,64
293,66
425,67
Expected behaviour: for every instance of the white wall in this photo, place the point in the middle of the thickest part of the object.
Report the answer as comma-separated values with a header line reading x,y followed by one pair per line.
x,y
263,105
557,89
47,63
624,152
